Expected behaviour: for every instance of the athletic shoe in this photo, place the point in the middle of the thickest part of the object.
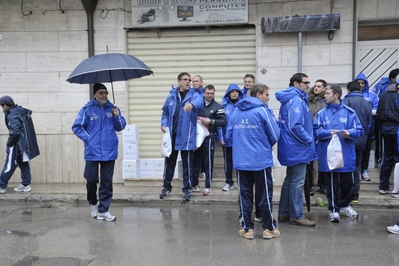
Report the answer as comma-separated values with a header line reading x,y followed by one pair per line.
x,y
321,190
203,175
22,188
354,201
94,210
334,217
269,234
3,190
384,192
207,192
303,222
349,211
228,187
258,219
393,229
247,234
165,192
283,218
186,195
197,188
106,216
365,176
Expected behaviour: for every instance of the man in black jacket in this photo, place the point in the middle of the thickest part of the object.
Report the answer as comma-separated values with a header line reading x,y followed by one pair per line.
x,y
388,116
363,109
212,116
21,144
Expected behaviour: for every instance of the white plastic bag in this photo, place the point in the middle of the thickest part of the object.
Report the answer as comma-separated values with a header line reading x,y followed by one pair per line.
x,y
276,162
166,144
202,133
335,158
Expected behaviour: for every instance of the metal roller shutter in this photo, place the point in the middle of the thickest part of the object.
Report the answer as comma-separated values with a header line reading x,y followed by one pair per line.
x,y
221,55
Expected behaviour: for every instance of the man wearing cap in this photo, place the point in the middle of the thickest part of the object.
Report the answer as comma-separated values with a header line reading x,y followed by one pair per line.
x,y
21,144
96,125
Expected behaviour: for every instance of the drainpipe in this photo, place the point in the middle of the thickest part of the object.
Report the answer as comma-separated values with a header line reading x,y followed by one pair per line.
x,y
90,7
354,39
300,52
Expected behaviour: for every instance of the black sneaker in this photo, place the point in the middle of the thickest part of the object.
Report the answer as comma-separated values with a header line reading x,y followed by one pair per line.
x,y
187,195
165,193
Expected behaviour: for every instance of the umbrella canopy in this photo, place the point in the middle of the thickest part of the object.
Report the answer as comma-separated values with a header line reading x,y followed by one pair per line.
x,y
109,67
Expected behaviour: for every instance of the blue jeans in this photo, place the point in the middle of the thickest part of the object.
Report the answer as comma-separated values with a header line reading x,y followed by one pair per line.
x,y
291,199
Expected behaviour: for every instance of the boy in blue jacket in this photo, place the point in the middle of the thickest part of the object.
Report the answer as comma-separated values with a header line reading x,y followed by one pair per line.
x,y
337,118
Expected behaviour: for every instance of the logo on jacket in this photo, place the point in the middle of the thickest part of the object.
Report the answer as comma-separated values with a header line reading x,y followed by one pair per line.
x,y
94,116
343,120
297,110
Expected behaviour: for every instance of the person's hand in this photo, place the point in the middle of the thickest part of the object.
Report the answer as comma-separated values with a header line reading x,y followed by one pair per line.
x,y
163,129
222,142
334,131
188,107
115,111
205,120
345,133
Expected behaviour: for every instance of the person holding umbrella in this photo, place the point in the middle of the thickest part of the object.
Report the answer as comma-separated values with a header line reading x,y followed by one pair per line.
x,y
96,125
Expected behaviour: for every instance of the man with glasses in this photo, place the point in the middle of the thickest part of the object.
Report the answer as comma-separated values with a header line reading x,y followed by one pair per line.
x,y
96,125
21,144
179,114
296,148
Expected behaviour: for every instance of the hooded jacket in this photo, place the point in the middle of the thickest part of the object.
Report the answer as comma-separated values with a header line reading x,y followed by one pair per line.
x,y
186,131
367,95
296,144
363,111
21,132
341,117
388,111
254,131
381,86
96,127
228,110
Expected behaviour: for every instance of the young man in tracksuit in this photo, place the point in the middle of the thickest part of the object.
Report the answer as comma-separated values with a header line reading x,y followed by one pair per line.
x,y
254,131
212,116
337,119
363,109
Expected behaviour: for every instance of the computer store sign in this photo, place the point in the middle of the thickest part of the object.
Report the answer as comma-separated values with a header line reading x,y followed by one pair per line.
x,y
172,13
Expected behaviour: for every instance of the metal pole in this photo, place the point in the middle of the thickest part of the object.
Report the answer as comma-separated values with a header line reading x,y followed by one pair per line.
x,y
299,52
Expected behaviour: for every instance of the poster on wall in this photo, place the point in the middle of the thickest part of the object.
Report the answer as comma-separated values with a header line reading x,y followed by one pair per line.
x,y
181,13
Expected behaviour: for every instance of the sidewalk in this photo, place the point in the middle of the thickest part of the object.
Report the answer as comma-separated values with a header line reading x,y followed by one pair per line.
x,y
149,195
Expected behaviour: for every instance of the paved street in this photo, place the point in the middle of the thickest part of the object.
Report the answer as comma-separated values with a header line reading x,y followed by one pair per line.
x,y
64,234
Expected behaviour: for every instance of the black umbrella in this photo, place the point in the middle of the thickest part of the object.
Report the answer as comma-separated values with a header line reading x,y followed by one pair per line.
x,y
308,185
109,67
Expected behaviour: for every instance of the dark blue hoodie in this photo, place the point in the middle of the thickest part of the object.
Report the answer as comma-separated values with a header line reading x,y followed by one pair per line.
x,y
367,95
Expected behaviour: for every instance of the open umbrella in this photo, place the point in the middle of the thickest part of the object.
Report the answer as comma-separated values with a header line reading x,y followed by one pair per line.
x,y
109,67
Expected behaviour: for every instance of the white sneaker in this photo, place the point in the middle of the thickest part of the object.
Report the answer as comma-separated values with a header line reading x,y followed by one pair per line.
x,y
349,211
334,217
3,190
106,216
365,175
22,188
94,210
227,187
203,175
393,229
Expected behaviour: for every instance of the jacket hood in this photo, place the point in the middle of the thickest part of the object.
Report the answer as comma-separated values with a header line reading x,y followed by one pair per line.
x,y
230,88
363,77
249,103
286,95
20,110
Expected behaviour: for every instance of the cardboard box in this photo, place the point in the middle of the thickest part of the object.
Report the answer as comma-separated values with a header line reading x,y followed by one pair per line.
x,y
159,165
372,159
130,134
147,168
130,169
130,151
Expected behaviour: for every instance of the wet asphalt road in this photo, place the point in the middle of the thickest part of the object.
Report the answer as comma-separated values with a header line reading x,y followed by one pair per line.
x,y
64,234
